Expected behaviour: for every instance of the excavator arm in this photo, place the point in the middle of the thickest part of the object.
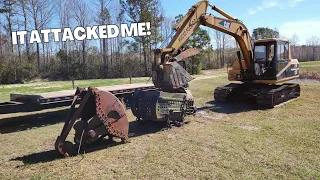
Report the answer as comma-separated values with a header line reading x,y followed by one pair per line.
x,y
173,100
196,16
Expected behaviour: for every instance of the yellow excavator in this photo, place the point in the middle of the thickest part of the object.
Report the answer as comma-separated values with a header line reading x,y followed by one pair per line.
x,y
257,72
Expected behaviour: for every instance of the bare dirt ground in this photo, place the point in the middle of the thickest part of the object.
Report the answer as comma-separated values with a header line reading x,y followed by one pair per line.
x,y
214,71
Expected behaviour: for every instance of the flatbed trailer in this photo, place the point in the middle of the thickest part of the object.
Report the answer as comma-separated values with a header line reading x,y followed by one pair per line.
x,y
36,102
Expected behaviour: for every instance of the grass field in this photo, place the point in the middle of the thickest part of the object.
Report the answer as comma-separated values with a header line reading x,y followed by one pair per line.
x,y
223,141
312,66
310,70
43,87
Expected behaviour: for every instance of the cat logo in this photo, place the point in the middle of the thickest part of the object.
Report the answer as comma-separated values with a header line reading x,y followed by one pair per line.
x,y
225,24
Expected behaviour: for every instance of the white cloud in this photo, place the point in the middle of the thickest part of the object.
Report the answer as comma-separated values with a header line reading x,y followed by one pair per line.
x,y
294,3
265,5
303,29
272,4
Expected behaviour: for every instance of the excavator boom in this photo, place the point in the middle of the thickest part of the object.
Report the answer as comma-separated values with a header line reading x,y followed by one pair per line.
x,y
257,66
196,16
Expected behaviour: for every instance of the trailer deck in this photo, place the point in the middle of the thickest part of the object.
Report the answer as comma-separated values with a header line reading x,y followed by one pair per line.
x,y
36,102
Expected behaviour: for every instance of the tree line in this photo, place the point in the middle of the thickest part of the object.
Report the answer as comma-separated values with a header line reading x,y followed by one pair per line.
x,y
105,58
310,51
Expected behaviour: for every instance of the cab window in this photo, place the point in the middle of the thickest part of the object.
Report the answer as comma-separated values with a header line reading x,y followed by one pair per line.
x,y
283,51
260,53
264,53
283,55
271,52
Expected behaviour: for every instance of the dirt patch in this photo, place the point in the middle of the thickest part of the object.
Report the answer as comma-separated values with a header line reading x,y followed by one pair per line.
x,y
46,87
172,136
310,75
210,115
49,145
22,85
305,80
249,128
213,71
203,77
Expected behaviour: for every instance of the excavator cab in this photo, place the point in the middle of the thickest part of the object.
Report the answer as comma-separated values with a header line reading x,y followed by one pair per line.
x,y
272,61
264,60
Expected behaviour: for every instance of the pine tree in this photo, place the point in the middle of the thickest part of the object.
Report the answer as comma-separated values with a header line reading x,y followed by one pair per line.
x,y
145,11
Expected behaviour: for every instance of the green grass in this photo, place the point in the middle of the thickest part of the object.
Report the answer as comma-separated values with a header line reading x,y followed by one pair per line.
x,y
310,70
42,87
228,141
234,141
312,66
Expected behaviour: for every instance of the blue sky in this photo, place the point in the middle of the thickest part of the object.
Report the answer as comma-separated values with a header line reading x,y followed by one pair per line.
x,y
289,16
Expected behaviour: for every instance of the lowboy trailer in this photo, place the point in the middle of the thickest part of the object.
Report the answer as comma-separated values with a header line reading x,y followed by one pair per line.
x,y
36,102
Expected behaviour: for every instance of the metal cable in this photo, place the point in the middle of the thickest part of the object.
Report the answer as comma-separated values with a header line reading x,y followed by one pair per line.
x,y
80,142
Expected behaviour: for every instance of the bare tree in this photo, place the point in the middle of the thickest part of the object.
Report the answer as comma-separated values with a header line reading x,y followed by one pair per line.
x,y
314,42
9,12
217,37
104,18
23,12
1,39
81,14
64,19
167,26
294,40
40,12
295,51
223,40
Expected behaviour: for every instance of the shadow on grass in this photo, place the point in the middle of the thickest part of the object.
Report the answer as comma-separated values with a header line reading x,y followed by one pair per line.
x,y
51,155
140,128
230,107
136,129
35,158
21,123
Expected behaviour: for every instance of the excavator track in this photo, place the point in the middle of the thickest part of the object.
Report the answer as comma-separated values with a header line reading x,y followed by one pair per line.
x,y
279,95
226,93
221,94
267,96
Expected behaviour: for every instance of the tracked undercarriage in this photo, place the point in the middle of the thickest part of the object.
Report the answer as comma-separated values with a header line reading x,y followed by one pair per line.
x,y
162,106
267,96
173,101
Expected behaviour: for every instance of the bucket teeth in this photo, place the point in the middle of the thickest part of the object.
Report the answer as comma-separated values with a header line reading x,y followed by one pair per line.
x,y
108,117
102,114
112,113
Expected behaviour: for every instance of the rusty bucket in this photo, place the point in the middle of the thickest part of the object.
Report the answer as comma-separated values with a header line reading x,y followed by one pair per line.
x,y
100,114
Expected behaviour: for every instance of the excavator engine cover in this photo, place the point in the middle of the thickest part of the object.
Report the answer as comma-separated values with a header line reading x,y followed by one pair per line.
x,y
101,114
162,106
